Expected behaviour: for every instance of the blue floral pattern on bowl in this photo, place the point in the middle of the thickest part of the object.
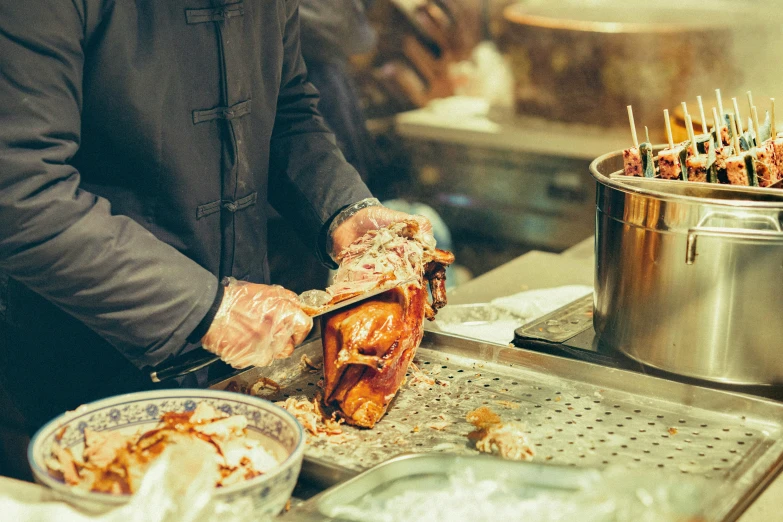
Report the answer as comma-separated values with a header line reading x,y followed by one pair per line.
x,y
141,411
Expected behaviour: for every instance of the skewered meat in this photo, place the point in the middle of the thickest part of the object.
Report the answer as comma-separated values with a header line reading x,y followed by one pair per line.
x,y
777,143
632,162
669,164
737,170
765,165
697,167
368,347
722,154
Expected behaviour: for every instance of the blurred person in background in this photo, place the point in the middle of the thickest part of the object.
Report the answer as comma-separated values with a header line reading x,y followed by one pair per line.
x,y
333,32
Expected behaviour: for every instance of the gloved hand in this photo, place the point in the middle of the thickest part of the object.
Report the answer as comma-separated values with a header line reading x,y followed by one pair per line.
x,y
371,218
256,324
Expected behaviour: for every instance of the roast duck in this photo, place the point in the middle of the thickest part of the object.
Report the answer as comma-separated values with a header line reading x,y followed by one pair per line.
x,y
368,346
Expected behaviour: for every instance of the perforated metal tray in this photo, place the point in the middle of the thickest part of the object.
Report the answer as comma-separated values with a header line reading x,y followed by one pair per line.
x,y
577,413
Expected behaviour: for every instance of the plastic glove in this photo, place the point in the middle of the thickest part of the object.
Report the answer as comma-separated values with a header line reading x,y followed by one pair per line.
x,y
256,324
371,218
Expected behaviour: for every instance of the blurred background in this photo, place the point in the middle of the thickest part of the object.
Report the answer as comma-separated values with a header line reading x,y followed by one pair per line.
x,y
485,114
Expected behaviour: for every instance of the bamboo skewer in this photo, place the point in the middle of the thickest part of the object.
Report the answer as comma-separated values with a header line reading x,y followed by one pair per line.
x,y
647,135
735,135
691,135
756,124
668,128
718,139
704,129
633,127
773,129
720,102
750,102
737,117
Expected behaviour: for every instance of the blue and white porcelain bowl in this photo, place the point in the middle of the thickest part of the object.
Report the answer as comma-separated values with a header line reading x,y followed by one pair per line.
x,y
280,432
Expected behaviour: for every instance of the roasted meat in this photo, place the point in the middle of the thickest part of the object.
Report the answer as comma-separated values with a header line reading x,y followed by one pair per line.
x,y
632,162
368,347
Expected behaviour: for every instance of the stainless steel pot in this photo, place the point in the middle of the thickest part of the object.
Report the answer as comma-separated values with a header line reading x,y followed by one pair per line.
x,y
689,278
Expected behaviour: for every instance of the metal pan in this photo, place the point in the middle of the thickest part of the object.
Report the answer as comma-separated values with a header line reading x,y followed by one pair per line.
x,y
578,414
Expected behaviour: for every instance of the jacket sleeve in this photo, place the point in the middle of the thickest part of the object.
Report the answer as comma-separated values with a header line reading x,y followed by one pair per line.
x,y
309,179
62,242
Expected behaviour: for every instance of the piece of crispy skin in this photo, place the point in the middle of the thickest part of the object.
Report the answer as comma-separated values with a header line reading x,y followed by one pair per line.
x,y
367,350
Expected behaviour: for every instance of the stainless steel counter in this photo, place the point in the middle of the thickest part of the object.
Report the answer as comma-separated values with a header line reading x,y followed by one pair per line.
x,y
533,270
575,266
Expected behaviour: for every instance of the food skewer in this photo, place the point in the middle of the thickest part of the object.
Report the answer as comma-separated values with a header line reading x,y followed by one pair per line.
x,y
669,162
750,101
695,163
763,156
668,128
735,134
739,167
703,140
633,127
722,153
777,141
737,117
691,136
720,102
757,128
704,129
632,158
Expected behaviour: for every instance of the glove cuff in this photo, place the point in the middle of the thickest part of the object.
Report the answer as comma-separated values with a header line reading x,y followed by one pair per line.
x,y
206,322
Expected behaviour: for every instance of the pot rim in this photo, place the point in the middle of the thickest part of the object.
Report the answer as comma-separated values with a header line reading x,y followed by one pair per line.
x,y
618,184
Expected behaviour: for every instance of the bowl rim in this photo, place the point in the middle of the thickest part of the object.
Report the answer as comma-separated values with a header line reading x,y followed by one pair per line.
x,y
107,498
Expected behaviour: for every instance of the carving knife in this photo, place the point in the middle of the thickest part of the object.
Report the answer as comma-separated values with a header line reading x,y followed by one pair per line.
x,y
314,303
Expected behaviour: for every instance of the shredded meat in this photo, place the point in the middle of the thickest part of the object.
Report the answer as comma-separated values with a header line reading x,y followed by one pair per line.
x,y
314,419
115,463
368,347
507,439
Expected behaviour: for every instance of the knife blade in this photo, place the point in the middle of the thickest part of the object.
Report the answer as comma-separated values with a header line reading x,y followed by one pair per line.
x,y
199,358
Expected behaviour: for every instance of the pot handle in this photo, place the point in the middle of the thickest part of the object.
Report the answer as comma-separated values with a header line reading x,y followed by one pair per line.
x,y
771,231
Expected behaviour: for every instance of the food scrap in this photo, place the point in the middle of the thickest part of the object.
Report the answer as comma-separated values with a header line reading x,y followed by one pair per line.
x,y
115,463
306,364
419,377
440,425
672,431
264,383
314,420
493,436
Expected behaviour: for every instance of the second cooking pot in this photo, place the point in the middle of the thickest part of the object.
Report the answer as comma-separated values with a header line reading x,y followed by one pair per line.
x,y
690,279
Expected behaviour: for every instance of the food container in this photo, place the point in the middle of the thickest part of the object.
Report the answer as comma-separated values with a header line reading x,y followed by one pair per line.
x,y
578,61
280,432
688,277
482,488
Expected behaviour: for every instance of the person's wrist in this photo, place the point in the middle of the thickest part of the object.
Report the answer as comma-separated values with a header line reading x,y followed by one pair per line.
x,y
344,215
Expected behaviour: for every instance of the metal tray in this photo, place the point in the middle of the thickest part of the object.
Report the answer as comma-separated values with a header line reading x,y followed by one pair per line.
x,y
577,413
528,489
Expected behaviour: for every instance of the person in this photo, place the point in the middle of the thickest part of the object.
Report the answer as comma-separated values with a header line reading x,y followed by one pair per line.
x,y
138,145
333,31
